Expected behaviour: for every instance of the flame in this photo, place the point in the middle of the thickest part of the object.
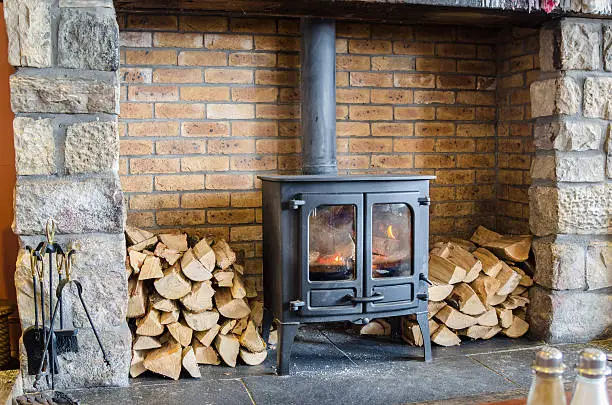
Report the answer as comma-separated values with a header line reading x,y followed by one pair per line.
x,y
338,259
390,234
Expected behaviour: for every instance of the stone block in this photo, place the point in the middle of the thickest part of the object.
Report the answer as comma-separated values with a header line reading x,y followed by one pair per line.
x,y
64,92
599,265
28,25
596,6
78,206
607,47
88,40
569,135
569,209
555,96
598,97
573,167
569,316
86,3
560,264
34,146
609,152
580,46
92,147
549,45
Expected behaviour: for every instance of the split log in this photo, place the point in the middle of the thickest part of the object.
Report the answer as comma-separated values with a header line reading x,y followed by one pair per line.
x,y
489,318
150,324
496,299
251,290
376,327
145,244
206,337
190,363
505,317
145,342
464,259
227,326
455,319
170,317
193,269
411,332
438,291
241,325
228,348
476,331
224,255
136,235
181,333
464,244
492,332
482,236
445,337
205,255
251,340
136,260
465,299
445,271
519,290
202,320
205,354
256,312
514,248
170,255
520,312
515,301
199,298
433,307
231,307
162,304
151,268
508,280
239,268
176,242
518,328
166,360
526,281
491,265
253,359
238,289
137,364
137,299
485,287
173,285
224,278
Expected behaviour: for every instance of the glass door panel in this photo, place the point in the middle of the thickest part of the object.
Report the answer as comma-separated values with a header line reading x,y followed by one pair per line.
x,y
331,244
392,240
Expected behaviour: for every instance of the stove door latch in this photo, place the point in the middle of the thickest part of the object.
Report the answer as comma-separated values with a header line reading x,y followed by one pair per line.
x,y
296,305
294,204
424,201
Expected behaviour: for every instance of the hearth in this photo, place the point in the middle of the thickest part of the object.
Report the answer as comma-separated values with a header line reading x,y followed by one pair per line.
x,y
343,248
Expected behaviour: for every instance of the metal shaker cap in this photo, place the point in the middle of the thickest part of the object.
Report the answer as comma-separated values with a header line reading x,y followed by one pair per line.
x,y
593,363
549,360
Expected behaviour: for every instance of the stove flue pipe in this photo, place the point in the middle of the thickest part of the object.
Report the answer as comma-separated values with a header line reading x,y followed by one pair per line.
x,y
318,94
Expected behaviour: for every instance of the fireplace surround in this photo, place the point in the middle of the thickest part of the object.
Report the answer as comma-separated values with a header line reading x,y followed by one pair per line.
x,y
66,97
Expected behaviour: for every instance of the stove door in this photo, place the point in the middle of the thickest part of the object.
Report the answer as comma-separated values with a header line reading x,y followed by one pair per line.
x,y
330,251
393,224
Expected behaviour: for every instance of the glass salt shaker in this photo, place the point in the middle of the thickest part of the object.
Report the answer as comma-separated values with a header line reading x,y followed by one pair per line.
x,y
591,381
547,384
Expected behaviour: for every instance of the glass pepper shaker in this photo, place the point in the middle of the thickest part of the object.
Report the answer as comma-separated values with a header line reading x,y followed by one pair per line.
x,y
592,371
547,384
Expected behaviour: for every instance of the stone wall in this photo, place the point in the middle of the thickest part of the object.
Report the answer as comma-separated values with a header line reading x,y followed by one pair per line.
x,y
571,196
65,96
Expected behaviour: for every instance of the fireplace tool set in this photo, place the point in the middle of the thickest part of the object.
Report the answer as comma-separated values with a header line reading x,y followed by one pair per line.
x,y
42,341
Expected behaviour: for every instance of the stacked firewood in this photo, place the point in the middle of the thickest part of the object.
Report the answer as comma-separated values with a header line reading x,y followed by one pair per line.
x,y
188,305
479,289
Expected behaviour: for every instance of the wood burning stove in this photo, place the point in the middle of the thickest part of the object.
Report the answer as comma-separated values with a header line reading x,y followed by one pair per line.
x,y
343,248
339,248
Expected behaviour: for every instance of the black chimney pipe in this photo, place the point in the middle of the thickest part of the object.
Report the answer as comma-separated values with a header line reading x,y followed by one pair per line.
x,y
318,93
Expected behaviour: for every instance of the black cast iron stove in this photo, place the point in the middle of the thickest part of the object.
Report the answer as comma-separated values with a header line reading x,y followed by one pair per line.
x,y
337,248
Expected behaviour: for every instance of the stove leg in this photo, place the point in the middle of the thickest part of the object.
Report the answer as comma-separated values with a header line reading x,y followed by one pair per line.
x,y
286,335
424,325
266,324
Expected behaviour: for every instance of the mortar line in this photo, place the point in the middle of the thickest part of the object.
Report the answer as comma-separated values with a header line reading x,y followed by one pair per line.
x,y
247,391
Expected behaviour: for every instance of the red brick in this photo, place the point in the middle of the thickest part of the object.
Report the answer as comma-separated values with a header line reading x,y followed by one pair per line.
x,y
371,79
154,201
128,147
455,113
200,23
178,40
364,145
392,161
205,200
414,80
281,77
413,145
254,128
156,128
240,233
369,46
434,161
228,76
231,146
456,82
179,147
278,146
253,163
204,164
154,165
371,113
235,216
204,129
205,93
177,76
455,145
476,130
202,58
263,25
152,22
392,129
278,111
150,57
274,43
137,184
231,42
252,59
135,75
414,113
246,199
179,110
229,181
254,94
393,63
352,128
433,97
456,50
352,62
153,93
436,65
434,129
179,217
352,96
413,48
179,182
136,110
388,96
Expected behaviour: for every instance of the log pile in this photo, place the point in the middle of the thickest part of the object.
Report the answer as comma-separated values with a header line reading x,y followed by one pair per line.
x,y
188,305
479,289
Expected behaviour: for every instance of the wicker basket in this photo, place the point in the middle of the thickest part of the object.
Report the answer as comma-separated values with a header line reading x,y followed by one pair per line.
x,y
5,341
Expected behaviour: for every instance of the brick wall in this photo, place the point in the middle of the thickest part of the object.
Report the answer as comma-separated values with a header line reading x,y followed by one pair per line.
x,y
210,102
518,68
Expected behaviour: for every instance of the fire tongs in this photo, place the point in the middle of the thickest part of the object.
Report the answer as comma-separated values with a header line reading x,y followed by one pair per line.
x,y
60,289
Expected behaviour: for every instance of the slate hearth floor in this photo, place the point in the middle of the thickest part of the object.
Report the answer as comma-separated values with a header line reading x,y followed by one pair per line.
x,y
332,365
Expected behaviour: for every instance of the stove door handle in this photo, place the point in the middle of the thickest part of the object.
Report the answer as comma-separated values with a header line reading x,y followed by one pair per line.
x,y
374,298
